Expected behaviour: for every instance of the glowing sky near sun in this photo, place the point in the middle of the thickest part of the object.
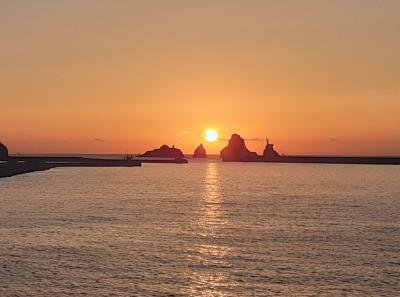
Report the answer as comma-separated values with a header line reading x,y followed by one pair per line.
x,y
211,135
126,76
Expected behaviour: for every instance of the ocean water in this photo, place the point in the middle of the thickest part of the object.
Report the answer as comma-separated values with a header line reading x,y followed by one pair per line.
x,y
202,229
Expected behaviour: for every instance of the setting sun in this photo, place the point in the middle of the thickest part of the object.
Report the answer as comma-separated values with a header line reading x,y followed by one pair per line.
x,y
211,135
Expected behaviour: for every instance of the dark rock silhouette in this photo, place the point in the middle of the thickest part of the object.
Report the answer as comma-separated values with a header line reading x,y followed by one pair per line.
x,y
270,153
237,151
3,152
200,152
164,152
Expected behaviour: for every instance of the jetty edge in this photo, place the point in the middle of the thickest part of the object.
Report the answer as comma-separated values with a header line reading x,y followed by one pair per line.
x,y
10,168
236,151
25,164
60,161
20,164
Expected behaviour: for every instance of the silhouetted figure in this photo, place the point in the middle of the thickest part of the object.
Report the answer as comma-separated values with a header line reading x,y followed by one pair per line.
x,y
200,152
237,151
128,157
269,152
164,152
3,152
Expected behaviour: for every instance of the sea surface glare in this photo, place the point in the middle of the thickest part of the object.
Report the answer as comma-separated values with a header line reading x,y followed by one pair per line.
x,y
202,229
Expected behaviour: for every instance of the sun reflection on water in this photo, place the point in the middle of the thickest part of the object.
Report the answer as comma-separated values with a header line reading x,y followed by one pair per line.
x,y
211,217
209,275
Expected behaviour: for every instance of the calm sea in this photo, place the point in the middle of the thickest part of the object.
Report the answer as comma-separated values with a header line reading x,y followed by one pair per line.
x,y
202,229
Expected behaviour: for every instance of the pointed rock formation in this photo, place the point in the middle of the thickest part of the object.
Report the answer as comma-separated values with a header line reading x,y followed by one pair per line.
x,y
3,152
200,152
270,153
237,151
164,152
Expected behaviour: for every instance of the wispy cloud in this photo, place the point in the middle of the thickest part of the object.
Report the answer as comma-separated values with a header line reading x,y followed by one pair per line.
x,y
254,139
246,139
99,139
184,134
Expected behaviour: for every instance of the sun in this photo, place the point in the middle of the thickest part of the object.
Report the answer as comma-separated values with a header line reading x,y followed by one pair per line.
x,y
211,135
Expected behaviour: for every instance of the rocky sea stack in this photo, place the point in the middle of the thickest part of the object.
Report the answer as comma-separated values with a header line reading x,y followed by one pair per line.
x,y
237,151
164,152
3,152
200,152
270,153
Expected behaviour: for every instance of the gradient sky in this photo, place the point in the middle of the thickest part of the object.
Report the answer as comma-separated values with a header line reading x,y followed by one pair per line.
x,y
126,76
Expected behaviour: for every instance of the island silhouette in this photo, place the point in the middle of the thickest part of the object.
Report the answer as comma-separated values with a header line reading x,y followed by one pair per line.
x,y
236,151
164,152
200,152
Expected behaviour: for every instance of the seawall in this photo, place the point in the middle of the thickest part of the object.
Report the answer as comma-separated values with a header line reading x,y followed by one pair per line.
x,y
21,165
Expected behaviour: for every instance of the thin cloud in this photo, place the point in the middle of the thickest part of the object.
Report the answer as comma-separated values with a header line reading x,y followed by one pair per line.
x,y
246,139
99,139
184,134
254,139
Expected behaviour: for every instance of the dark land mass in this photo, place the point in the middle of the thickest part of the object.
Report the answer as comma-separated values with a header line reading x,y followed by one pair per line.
x,y
164,154
236,151
200,152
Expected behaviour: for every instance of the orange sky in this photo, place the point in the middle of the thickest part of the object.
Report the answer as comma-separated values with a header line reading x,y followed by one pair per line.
x,y
317,77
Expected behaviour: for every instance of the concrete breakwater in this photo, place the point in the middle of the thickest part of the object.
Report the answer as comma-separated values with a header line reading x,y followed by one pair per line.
x,y
336,160
8,169
21,165
26,164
